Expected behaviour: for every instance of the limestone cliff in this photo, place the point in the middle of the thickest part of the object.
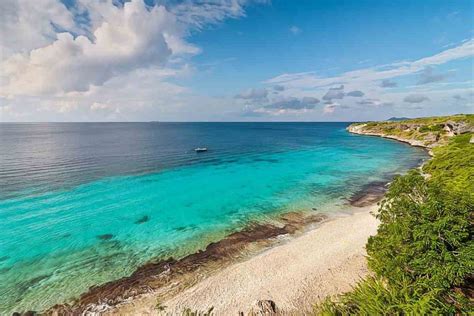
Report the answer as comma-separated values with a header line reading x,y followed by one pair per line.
x,y
423,132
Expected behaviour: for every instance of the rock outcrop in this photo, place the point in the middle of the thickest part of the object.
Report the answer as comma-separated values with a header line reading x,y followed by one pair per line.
x,y
361,129
263,308
423,132
458,128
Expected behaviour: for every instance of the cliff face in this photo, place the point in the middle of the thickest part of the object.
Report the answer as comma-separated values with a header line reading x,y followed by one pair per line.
x,y
423,132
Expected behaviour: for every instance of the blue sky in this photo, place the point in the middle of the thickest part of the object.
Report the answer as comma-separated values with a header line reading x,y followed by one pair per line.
x,y
235,60
333,37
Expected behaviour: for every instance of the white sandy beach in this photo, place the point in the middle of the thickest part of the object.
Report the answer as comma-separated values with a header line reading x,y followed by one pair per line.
x,y
296,274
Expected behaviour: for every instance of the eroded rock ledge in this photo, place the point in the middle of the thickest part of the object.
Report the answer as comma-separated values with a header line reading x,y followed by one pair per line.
x,y
171,275
423,132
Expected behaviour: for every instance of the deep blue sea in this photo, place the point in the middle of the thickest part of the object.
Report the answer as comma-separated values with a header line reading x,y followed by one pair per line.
x,y
86,203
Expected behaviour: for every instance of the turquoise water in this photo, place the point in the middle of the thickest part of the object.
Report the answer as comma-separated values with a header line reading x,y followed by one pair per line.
x,y
141,197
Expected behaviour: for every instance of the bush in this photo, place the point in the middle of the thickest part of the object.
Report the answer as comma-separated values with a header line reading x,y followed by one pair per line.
x,y
431,128
423,254
374,297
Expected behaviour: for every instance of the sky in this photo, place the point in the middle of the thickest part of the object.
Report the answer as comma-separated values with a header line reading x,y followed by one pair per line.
x,y
234,60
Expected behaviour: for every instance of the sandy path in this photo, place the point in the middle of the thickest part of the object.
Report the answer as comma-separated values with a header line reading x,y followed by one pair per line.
x,y
296,274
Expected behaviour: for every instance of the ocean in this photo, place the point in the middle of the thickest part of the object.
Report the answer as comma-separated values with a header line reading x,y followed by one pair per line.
x,y
86,203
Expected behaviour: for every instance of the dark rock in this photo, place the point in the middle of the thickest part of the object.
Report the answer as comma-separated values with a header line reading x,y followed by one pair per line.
x,y
369,194
458,127
160,274
264,308
28,313
105,236
143,219
431,137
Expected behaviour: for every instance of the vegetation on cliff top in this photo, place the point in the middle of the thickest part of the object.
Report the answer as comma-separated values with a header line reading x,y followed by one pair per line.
x,y
422,257
429,130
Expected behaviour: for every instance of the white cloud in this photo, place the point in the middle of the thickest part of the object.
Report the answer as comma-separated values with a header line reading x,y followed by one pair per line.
x,y
386,83
59,53
415,98
291,103
329,108
428,76
253,94
374,82
295,30
355,94
26,25
334,93
99,61
129,38
375,74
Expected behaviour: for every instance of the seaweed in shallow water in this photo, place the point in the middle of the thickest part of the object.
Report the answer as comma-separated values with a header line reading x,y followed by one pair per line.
x,y
105,236
143,219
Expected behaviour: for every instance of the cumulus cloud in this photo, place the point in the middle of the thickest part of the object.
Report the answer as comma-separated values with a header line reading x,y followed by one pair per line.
x,y
415,98
376,82
292,103
334,93
103,60
366,102
26,25
386,83
374,102
253,94
329,109
278,87
339,94
129,38
51,49
355,93
428,76
105,111
310,100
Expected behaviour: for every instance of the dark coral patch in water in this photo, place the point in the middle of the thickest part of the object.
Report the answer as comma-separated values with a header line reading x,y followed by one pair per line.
x,y
105,236
158,274
143,219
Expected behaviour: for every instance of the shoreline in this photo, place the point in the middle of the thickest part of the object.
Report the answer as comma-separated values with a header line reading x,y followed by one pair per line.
x,y
358,129
291,274
164,279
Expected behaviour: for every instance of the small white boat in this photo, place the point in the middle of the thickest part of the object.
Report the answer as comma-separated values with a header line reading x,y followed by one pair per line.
x,y
200,149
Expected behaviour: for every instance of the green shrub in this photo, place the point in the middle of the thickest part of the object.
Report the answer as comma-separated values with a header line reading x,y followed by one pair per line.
x,y
423,254
453,164
374,297
190,312
431,128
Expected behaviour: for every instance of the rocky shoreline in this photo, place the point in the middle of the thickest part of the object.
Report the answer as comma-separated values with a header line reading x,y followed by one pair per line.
x,y
165,278
360,129
426,133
